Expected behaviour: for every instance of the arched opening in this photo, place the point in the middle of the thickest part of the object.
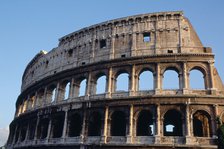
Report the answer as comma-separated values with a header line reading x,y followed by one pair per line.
x,y
12,130
82,88
24,105
17,134
67,90
94,128
23,132
197,80
42,128
170,79
32,127
145,123
118,124
201,124
53,95
122,82
40,96
172,123
57,125
101,85
31,101
146,80
75,125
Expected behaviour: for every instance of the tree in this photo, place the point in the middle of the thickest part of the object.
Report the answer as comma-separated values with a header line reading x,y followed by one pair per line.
x,y
220,133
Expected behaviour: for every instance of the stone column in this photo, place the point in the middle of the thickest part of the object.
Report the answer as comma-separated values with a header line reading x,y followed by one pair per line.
x,y
14,137
157,38
76,90
217,112
188,125
27,132
28,103
65,125
19,136
134,43
158,79
71,89
158,125
61,93
104,137
132,82
109,83
36,128
57,93
83,132
130,135
35,101
49,129
45,99
211,77
88,86
214,125
185,79
112,52
92,58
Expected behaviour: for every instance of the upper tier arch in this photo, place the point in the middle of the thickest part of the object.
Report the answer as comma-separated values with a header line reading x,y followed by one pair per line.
x,y
134,36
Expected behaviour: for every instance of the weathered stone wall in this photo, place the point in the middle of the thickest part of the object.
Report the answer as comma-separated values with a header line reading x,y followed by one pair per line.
x,y
51,112
169,33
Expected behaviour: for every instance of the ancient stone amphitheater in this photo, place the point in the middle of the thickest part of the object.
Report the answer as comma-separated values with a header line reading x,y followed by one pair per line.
x,y
53,111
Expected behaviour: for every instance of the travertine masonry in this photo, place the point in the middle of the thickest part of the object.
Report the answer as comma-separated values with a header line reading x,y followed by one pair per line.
x,y
52,111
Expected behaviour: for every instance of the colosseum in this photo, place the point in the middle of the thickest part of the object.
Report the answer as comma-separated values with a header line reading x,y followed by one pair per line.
x,y
60,106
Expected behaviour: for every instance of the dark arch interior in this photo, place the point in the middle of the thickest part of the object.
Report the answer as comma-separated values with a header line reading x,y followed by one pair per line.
x,y
94,128
23,132
42,128
143,123
201,124
118,124
75,125
57,126
172,123
17,134
32,126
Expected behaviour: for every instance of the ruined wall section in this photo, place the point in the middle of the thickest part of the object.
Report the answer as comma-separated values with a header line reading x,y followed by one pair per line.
x,y
141,35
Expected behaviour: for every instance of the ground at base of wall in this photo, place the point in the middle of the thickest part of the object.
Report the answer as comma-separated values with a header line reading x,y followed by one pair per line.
x,y
120,147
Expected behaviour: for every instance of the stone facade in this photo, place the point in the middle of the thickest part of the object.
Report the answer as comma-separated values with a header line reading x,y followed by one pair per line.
x,y
51,112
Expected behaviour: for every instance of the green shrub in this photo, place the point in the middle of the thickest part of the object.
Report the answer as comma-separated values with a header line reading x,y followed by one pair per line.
x,y
220,134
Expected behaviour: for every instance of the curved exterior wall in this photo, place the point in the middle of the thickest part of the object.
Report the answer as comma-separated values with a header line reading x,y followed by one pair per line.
x,y
48,118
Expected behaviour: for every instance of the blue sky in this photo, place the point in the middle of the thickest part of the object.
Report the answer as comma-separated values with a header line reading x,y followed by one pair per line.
x,y
26,27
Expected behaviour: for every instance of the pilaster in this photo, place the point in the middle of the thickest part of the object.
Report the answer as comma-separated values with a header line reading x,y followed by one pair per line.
x,y
130,135
104,137
65,125
158,125
158,79
109,83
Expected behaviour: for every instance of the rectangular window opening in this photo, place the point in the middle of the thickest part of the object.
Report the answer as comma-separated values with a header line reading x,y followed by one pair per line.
x,y
70,52
170,51
103,43
146,37
123,55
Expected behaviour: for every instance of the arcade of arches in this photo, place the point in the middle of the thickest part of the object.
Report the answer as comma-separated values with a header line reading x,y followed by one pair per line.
x,y
134,121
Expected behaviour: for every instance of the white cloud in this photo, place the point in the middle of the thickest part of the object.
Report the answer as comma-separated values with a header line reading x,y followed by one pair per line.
x,y
4,132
